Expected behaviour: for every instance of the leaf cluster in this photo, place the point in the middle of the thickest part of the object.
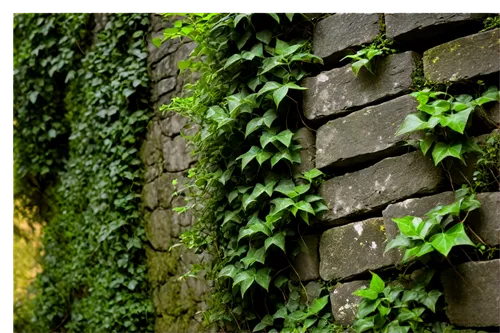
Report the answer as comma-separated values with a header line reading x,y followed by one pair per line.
x,y
486,176
444,122
394,307
367,55
438,231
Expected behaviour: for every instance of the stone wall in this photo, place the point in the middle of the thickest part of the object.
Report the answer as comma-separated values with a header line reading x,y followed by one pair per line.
x,y
177,301
374,177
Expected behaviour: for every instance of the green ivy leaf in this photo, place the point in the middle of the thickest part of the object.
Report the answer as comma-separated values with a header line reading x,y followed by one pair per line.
x,y
278,240
411,123
246,278
444,242
317,305
248,156
275,16
254,255
458,121
263,278
430,300
442,150
285,137
264,36
279,94
229,271
376,283
366,293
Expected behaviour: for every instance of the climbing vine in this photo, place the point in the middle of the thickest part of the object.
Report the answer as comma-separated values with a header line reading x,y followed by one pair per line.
x,y
89,103
250,201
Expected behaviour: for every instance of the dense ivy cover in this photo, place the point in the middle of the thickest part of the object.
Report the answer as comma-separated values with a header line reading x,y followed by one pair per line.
x,y
79,115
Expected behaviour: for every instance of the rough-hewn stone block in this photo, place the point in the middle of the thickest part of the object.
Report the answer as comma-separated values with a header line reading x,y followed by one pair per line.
x,y
472,293
305,138
165,189
344,303
339,143
336,33
353,249
155,54
417,28
158,229
368,190
173,123
176,154
464,59
168,66
149,196
338,91
486,220
306,263
163,87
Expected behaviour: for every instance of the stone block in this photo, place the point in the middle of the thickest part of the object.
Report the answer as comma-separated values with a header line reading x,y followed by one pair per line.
x,y
165,189
486,220
158,229
176,154
334,35
429,28
466,58
173,123
344,303
353,249
306,263
340,144
152,172
162,87
149,196
305,138
337,92
149,153
168,66
161,265
155,54
472,294
369,190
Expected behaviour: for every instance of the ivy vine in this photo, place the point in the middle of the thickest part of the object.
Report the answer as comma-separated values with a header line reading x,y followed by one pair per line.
x,y
90,96
251,204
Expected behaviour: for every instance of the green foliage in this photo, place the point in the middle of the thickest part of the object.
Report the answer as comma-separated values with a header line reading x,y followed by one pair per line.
x,y
439,231
366,56
444,122
249,208
486,176
491,22
396,307
94,269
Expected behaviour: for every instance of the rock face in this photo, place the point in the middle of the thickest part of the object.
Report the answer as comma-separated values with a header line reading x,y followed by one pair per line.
x,y
339,32
176,154
464,59
306,263
338,91
472,295
353,249
370,189
305,138
344,303
339,143
158,229
417,28
486,220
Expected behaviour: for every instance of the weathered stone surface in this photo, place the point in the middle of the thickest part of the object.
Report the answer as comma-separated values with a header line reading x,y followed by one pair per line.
x,y
173,123
176,154
344,303
158,229
168,66
419,28
339,143
165,189
486,220
338,91
370,189
161,265
152,172
336,33
155,54
353,249
306,263
149,196
164,86
179,221
472,295
305,138
313,291
149,153
464,59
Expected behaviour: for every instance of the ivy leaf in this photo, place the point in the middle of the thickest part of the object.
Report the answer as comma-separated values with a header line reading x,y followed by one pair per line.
x,y
430,300
229,271
264,36
267,137
253,125
285,137
442,150
246,278
269,64
257,50
127,92
458,121
399,241
281,313
282,154
269,86
289,16
232,59
281,204
157,42
263,156
367,306
311,174
286,186
263,278
356,66
417,251
243,39
279,94
376,283
304,206
363,324
274,16
443,242
278,240
411,123
269,117
317,305
312,198
248,156
279,281
254,255
408,225
366,293
490,95
132,284
427,143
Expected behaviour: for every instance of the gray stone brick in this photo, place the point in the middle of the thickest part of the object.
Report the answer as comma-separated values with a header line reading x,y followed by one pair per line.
x,y
176,154
158,229
305,138
344,303
306,263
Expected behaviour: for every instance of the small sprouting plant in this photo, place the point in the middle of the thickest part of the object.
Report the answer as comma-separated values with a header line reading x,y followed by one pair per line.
x,y
491,22
440,230
487,170
444,122
365,57
394,308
